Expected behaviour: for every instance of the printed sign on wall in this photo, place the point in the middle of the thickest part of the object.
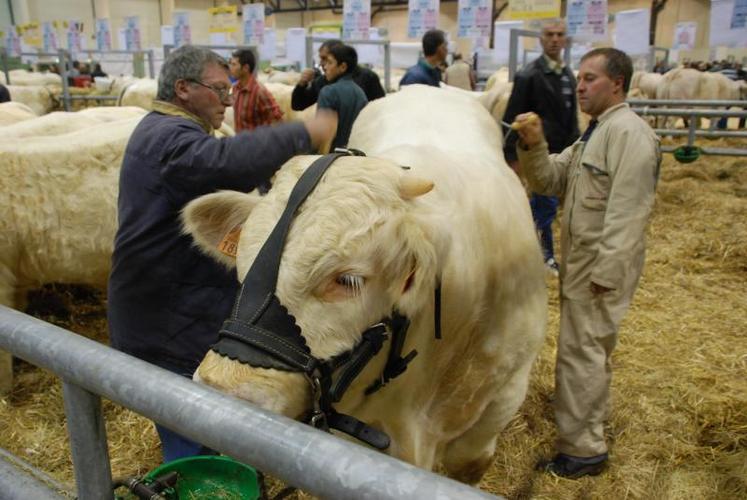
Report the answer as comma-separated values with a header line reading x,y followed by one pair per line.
x,y
13,41
254,23
74,31
103,34
587,19
475,18
684,35
632,31
356,19
422,16
182,29
132,33
49,37
533,9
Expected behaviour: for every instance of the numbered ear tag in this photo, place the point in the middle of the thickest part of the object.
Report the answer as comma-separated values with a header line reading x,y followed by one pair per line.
x,y
230,242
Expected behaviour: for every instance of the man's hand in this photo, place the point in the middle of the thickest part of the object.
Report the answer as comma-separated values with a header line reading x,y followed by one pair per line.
x,y
306,76
529,128
322,127
597,289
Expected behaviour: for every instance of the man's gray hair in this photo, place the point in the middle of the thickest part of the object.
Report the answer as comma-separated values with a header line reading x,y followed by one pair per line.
x,y
546,24
185,63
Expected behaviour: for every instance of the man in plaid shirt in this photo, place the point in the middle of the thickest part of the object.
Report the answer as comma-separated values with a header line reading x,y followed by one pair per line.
x,y
253,104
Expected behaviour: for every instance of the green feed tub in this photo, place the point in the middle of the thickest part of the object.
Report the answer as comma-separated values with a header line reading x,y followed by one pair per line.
x,y
209,477
687,154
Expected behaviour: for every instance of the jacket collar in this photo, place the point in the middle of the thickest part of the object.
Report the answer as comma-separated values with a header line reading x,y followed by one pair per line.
x,y
167,108
551,66
612,110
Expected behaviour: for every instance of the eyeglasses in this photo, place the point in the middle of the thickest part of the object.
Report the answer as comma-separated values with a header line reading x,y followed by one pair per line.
x,y
222,93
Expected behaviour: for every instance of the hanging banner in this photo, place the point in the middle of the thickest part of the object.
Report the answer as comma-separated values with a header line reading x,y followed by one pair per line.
x,y
268,49
223,19
31,34
74,30
132,33
422,16
13,41
533,9
632,31
684,35
475,19
356,19
49,37
182,30
739,14
103,34
587,19
253,21
295,45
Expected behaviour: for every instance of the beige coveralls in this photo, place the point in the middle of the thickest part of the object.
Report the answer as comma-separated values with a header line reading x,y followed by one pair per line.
x,y
608,186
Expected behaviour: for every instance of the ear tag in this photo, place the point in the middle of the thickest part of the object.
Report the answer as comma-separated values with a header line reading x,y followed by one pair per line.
x,y
230,242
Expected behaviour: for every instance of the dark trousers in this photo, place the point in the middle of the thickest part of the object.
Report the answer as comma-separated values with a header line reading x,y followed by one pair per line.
x,y
175,446
544,209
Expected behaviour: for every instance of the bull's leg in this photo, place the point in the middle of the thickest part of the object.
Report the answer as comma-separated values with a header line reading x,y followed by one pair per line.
x,y
467,457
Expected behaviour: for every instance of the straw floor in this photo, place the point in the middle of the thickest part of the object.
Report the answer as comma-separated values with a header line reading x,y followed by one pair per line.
x,y
678,429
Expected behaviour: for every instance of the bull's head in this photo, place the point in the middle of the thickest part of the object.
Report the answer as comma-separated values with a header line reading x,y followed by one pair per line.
x,y
358,249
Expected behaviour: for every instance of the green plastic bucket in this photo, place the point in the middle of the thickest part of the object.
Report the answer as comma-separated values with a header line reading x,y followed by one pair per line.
x,y
209,477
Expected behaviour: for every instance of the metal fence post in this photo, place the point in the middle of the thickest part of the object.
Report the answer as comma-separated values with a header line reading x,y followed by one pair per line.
x,y
62,55
388,66
151,65
88,445
4,57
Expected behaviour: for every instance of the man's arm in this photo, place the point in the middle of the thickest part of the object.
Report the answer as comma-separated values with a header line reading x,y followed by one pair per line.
x,y
633,161
305,95
545,173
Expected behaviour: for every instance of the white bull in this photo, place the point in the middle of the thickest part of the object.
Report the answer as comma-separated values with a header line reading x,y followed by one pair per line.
x,y
14,112
58,196
373,238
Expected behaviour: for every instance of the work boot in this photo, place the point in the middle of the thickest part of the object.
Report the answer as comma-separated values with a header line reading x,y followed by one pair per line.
x,y
574,467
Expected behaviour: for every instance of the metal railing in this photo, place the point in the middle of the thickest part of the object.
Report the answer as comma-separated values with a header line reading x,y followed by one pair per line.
x,y
4,60
650,108
317,462
310,40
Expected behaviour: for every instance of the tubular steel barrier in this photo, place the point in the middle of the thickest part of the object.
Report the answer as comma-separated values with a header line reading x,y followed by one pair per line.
x,y
692,130
22,481
317,462
66,57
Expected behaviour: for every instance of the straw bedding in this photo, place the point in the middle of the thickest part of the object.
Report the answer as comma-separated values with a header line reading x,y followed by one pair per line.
x,y
678,428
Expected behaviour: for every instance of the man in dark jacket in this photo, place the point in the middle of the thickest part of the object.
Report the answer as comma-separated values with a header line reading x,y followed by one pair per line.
x,y
4,94
546,87
427,71
166,300
306,91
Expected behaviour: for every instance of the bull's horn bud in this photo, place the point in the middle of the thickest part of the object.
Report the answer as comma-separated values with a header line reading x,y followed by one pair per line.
x,y
411,186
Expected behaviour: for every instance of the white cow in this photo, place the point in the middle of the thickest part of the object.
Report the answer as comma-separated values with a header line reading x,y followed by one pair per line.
x,y
62,122
140,93
24,78
39,98
647,83
58,196
373,238
14,112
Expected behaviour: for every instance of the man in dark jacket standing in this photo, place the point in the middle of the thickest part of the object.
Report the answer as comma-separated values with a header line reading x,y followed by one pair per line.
x,y
427,71
306,91
166,300
547,87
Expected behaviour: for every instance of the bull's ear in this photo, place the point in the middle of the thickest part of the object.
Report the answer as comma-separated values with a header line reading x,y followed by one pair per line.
x,y
210,219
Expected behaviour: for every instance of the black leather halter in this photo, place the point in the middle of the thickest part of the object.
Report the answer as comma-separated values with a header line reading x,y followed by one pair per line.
x,y
262,333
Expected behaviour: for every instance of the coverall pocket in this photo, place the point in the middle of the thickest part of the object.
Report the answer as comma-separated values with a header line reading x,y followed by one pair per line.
x,y
598,185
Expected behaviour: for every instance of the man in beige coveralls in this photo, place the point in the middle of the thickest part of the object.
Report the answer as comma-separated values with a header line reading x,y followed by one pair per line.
x,y
607,179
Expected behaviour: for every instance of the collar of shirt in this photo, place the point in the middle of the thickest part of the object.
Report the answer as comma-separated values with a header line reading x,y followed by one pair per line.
x,y
553,65
167,108
609,111
251,81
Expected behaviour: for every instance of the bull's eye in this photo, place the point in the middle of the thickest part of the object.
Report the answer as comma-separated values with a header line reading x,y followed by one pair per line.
x,y
354,284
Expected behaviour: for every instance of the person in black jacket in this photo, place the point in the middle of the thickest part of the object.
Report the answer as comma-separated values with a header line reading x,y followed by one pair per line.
x,y
306,92
167,300
547,87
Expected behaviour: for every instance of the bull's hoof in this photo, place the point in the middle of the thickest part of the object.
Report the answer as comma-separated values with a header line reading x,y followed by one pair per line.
x,y
574,467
